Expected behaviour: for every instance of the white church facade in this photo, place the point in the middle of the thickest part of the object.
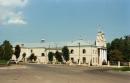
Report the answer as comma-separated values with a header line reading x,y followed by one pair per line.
x,y
81,52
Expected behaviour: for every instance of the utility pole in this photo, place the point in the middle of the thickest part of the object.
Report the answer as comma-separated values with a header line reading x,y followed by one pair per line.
x,y
91,56
79,53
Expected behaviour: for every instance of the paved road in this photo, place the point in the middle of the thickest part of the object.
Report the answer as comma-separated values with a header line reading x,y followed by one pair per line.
x,y
35,73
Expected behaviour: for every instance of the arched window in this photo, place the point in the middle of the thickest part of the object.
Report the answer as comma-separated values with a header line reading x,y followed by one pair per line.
x,y
84,51
72,51
31,51
42,54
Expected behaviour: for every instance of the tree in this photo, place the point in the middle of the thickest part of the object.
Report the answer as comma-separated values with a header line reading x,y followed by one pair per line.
x,y
31,56
58,56
65,52
23,56
17,51
35,58
1,52
115,44
50,56
108,51
6,50
116,55
119,49
126,50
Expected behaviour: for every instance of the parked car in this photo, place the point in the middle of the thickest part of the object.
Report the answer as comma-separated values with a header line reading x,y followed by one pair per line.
x,y
20,62
12,62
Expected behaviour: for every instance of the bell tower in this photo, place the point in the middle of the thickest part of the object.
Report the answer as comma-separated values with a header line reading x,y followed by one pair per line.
x,y
101,45
100,39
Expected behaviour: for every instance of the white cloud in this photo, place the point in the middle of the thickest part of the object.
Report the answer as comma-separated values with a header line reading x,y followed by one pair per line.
x,y
10,11
10,3
15,18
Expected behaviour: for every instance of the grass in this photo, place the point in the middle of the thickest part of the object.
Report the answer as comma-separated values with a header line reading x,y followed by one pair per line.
x,y
122,69
3,62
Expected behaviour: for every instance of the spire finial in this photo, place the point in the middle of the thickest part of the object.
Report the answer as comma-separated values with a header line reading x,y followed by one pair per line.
x,y
99,28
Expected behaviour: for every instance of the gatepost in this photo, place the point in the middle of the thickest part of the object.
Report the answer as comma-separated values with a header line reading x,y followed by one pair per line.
x,y
118,63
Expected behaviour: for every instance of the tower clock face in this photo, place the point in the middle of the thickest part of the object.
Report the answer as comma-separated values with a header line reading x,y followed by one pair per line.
x,y
100,38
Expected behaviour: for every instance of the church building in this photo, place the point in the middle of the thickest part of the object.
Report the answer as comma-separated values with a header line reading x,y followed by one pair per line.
x,y
81,51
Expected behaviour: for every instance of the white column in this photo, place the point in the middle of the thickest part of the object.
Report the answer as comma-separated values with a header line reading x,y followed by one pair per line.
x,y
100,57
104,55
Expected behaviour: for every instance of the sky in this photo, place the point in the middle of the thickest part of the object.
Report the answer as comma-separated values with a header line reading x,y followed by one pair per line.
x,y
63,20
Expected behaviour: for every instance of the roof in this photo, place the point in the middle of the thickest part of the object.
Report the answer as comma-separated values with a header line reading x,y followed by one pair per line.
x,y
81,42
54,44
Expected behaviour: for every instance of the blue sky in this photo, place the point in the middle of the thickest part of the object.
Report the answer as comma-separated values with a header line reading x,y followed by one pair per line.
x,y
64,20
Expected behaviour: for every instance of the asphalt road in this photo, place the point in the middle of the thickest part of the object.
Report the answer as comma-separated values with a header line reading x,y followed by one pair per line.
x,y
35,73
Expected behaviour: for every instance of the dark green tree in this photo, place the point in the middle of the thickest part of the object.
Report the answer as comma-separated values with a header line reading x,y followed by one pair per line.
x,y
31,58
35,58
115,44
1,52
17,51
116,55
108,51
6,50
50,56
119,49
58,56
65,52
23,56
126,50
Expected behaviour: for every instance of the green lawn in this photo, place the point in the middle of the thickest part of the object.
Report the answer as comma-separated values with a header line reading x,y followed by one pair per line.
x,y
3,62
122,69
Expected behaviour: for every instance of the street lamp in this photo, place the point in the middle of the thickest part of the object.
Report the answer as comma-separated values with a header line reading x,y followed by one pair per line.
x,y
79,53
